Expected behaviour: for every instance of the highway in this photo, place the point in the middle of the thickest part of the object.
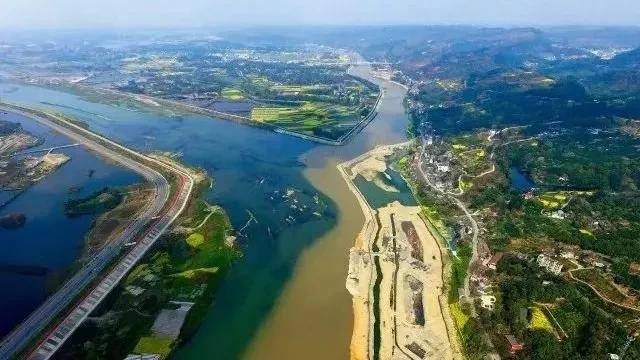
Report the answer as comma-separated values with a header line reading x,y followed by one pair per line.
x,y
144,231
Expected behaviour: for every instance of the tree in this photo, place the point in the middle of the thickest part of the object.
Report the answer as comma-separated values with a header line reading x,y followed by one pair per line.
x,y
543,346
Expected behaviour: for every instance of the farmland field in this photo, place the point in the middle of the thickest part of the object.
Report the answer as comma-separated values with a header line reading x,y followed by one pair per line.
x,y
539,321
154,345
552,200
317,119
232,94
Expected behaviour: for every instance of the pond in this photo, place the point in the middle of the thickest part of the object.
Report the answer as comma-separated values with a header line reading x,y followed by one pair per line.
x,y
520,181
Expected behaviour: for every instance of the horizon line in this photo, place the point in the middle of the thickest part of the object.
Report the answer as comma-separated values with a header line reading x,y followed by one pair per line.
x,y
316,25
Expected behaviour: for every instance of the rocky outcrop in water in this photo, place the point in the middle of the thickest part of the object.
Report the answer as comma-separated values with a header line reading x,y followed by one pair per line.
x,y
12,221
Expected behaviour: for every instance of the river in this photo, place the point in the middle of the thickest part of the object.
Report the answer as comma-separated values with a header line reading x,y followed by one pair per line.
x,y
286,297
313,317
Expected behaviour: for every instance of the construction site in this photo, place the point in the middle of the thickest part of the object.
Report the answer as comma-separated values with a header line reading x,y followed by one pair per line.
x,y
395,276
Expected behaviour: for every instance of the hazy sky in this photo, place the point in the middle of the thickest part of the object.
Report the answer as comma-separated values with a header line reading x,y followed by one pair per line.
x,y
173,13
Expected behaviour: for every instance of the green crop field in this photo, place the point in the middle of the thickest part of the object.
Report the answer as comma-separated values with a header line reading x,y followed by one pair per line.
x,y
232,94
458,316
195,240
464,185
539,321
154,345
552,200
309,118
298,89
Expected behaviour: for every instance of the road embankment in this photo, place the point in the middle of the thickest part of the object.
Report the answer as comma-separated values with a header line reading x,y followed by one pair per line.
x,y
360,276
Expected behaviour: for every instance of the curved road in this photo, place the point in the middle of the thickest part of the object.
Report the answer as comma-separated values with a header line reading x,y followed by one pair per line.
x,y
460,204
144,230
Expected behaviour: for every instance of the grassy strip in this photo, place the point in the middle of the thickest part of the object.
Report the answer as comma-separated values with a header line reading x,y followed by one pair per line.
x,y
459,266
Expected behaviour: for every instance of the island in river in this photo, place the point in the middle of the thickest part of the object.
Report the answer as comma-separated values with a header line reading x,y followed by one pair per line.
x,y
20,169
12,221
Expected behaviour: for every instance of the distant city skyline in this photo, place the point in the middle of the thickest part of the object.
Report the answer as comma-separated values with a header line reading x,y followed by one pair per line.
x,y
203,13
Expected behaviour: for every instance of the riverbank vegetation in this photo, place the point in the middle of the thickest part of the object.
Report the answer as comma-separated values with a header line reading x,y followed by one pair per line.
x,y
114,208
96,203
570,213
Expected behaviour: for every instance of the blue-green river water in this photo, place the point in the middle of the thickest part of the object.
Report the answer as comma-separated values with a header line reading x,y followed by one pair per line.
x,y
49,240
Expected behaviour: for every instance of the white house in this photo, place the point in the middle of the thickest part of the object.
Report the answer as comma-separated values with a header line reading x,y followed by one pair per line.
x,y
549,264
